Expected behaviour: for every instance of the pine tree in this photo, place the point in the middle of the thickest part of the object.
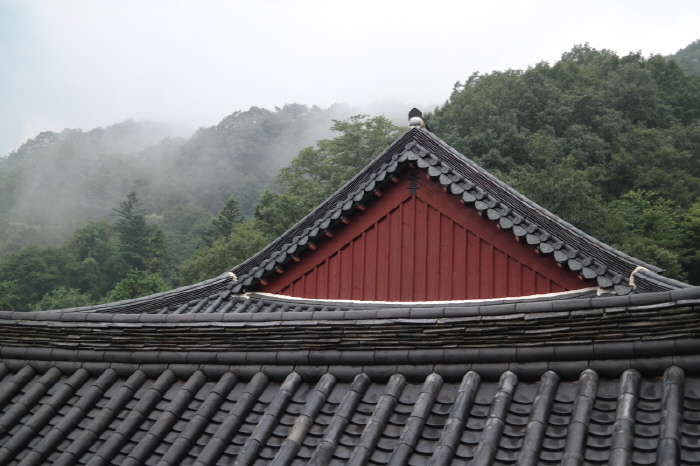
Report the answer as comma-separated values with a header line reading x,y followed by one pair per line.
x,y
133,231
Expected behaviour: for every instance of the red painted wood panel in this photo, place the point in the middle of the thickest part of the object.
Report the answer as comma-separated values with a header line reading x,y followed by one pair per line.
x,y
421,247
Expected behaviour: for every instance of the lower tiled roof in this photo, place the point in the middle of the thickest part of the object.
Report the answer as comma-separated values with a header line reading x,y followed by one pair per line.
x,y
540,380
74,414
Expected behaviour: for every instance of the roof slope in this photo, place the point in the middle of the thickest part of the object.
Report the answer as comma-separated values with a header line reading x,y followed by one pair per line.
x,y
167,416
270,380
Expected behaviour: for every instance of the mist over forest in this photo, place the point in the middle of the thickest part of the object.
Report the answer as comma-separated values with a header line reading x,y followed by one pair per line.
x,y
610,143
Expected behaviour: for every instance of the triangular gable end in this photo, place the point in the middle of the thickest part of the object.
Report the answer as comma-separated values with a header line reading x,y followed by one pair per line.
x,y
414,242
382,237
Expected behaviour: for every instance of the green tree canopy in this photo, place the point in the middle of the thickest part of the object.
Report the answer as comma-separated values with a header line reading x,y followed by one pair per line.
x,y
136,284
688,57
226,252
63,298
224,223
317,172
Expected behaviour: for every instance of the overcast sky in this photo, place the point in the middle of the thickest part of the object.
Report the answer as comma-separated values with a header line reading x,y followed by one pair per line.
x,y
83,64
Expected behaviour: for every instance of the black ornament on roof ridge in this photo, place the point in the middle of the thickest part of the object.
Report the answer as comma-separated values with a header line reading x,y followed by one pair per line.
x,y
415,119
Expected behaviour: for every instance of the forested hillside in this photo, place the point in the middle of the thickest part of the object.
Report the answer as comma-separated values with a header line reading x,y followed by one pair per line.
x,y
59,181
610,143
688,58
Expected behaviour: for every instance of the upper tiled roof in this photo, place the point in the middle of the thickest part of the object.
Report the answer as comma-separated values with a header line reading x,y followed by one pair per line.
x,y
595,261
530,223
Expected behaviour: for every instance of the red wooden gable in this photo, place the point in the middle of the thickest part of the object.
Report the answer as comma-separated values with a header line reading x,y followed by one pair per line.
x,y
418,243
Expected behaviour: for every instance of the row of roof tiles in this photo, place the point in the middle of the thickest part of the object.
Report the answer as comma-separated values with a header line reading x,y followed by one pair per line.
x,y
74,417
419,328
269,307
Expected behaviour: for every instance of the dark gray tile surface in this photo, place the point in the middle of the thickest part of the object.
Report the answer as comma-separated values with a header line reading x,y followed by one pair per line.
x,y
80,417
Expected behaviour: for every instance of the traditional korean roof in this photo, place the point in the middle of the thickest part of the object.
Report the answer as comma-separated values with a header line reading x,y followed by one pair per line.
x,y
219,374
583,380
598,263
550,235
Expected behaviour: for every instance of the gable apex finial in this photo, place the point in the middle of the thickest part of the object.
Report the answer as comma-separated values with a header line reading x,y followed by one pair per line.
x,y
415,119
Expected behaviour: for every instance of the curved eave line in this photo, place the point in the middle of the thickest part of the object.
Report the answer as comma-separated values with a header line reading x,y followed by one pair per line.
x,y
359,310
163,299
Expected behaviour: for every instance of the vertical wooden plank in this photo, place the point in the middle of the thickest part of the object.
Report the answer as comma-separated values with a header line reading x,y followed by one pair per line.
x,y
528,280
358,266
323,281
299,287
514,277
459,252
473,261
383,258
393,244
308,283
407,232
486,270
333,275
542,284
500,274
433,269
369,288
344,273
420,246
446,259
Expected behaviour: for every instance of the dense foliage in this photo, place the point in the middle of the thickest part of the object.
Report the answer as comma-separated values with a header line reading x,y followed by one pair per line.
x,y
688,58
316,173
609,143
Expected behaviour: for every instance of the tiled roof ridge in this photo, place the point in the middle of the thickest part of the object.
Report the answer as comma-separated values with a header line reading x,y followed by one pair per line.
x,y
256,307
339,198
544,214
554,330
494,200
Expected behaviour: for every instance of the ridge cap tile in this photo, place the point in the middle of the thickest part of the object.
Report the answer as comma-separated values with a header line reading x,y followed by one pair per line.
x,y
427,313
209,317
572,304
496,309
392,312
329,315
649,298
298,316
534,307
461,311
